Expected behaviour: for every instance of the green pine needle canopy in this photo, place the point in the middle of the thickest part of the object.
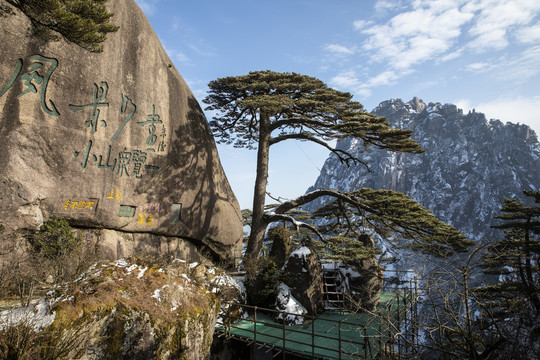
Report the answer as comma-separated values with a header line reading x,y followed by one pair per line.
x,y
297,107
264,108
82,22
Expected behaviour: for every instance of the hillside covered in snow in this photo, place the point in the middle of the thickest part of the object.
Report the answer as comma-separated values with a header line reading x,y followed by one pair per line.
x,y
469,165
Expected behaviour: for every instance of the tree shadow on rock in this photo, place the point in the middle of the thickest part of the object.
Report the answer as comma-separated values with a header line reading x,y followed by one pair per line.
x,y
191,178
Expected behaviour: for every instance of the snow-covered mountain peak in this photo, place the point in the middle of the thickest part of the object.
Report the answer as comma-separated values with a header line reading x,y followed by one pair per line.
x,y
470,165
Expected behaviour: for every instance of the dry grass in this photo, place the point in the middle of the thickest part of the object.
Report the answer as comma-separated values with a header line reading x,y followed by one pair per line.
x,y
163,293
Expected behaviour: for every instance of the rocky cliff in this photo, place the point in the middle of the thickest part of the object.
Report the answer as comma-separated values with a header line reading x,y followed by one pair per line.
x,y
470,164
114,142
122,310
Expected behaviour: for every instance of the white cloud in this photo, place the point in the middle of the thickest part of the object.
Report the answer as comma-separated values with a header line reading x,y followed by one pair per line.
x,y
529,34
521,110
346,80
177,56
522,66
479,67
451,55
350,81
339,49
518,67
413,37
202,49
419,32
362,24
437,5
494,19
436,31
180,56
199,93
175,25
384,78
388,5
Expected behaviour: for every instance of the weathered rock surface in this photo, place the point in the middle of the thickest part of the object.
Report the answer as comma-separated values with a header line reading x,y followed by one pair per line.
x,y
470,164
127,311
112,141
305,279
365,285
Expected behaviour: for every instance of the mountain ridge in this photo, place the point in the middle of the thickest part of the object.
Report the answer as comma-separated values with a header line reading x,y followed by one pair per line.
x,y
470,164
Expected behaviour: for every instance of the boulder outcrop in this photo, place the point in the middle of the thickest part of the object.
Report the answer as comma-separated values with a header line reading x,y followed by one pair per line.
x,y
365,284
123,310
303,268
114,142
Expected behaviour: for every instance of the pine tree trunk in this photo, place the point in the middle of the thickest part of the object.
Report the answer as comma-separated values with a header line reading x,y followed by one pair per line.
x,y
258,226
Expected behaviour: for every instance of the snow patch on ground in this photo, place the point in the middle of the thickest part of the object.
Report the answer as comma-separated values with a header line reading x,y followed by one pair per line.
x,y
120,263
142,271
38,316
157,294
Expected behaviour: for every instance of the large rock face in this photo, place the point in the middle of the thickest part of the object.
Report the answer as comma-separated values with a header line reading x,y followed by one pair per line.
x,y
470,164
113,141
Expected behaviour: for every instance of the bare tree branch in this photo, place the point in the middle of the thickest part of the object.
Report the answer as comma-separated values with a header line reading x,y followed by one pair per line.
x,y
343,156
273,217
309,197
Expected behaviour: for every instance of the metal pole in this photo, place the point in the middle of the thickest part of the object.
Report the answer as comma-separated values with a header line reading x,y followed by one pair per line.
x,y
366,341
382,318
399,340
339,339
313,336
254,346
415,310
283,351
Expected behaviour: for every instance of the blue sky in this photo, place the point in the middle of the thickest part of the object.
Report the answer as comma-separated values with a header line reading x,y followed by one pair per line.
x,y
482,54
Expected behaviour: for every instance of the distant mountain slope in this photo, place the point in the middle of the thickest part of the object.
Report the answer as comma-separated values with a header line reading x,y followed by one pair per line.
x,y
469,167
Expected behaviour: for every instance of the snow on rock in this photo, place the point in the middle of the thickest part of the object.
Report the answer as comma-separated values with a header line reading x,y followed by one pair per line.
x,y
301,253
470,165
150,306
293,311
38,315
148,297
226,281
230,290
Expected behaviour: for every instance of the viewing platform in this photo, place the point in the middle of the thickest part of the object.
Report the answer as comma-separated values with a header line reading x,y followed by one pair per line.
x,y
334,334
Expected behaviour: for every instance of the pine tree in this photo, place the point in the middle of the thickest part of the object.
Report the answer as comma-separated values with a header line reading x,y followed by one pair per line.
x,y
514,259
83,22
264,108
389,213
513,302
